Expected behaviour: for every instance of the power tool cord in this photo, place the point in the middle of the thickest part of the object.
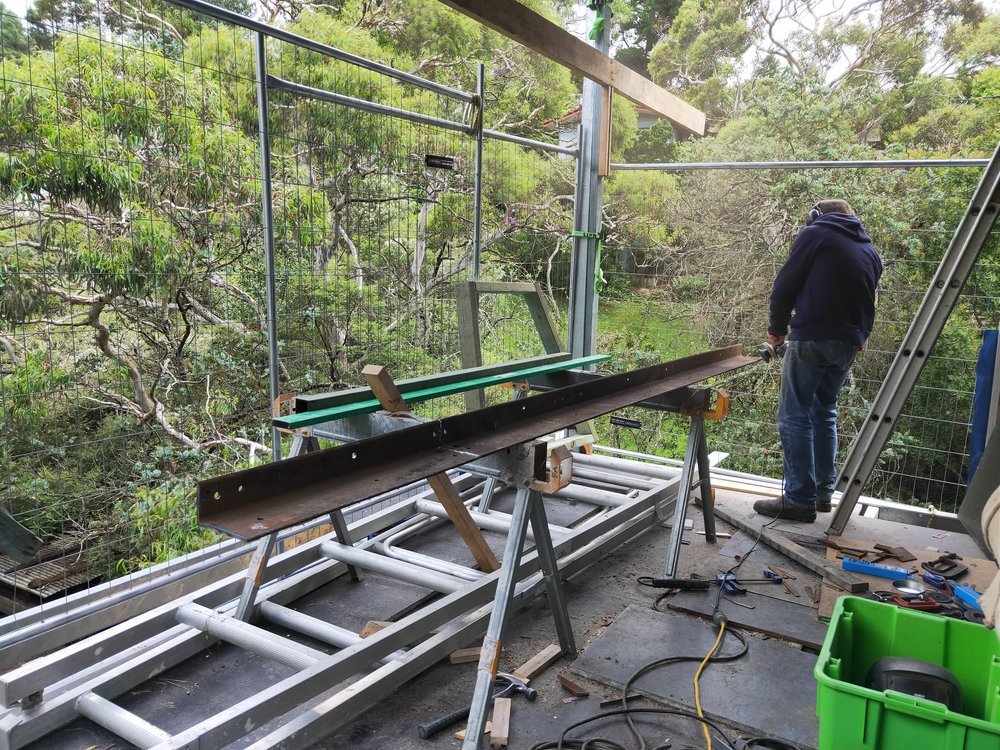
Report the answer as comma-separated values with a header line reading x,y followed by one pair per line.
x,y
697,677
602,743
676,660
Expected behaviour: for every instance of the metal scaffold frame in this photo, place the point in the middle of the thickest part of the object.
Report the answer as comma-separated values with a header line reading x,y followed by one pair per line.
x,y
41,699
53,690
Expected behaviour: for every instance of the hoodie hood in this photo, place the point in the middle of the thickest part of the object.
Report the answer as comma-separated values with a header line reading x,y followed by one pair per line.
x,y
849,226
829,282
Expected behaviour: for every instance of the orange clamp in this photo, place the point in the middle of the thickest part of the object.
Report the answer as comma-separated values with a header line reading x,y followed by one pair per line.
x,y
721,406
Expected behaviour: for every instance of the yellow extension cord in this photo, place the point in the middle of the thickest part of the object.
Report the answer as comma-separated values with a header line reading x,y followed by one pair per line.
x,y
697,692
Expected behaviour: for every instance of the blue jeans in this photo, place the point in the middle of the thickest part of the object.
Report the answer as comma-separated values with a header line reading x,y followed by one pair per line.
x,y
812,375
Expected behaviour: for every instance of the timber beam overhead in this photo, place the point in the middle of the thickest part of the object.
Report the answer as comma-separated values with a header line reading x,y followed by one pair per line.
x,y
539,34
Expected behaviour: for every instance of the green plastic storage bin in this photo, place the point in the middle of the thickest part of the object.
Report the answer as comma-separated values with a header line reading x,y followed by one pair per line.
x,y
853,717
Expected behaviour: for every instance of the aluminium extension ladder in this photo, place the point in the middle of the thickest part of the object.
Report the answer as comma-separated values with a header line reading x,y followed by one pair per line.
x,y
928,322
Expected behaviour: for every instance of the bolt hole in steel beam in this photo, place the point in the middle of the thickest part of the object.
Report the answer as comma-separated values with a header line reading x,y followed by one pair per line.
x,y
288,492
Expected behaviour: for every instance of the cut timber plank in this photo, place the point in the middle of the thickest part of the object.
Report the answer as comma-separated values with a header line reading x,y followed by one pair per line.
x,y
801,555
462,519
500,730
572,687
546,38
539,662
465,655
460,734
388,395
371,628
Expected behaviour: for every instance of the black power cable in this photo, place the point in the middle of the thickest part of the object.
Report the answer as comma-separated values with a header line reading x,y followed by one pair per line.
x,y
603,743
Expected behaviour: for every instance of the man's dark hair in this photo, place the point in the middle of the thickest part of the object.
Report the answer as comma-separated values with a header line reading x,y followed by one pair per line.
x,y
835,206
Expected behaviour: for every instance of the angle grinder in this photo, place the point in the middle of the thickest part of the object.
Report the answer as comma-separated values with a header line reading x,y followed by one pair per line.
x,y
768,351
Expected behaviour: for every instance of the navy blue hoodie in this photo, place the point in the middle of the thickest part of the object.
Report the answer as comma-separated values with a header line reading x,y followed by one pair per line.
x,y
829,279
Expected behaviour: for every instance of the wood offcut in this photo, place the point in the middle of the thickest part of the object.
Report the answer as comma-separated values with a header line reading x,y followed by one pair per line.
x,y
538,663
388,395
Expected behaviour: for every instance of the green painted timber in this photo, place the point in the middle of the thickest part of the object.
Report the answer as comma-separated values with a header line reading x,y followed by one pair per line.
x,y
309,418
315,401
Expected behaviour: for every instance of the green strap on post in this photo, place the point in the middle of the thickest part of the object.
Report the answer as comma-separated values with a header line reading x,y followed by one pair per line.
x,y
598,26
598,272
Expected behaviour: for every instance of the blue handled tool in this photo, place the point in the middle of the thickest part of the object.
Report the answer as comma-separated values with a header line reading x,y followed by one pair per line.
x,y
729,584
934,579
875,569
967,595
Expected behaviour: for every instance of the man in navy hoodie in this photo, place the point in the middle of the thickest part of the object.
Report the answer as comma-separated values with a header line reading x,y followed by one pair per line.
x,y
829,281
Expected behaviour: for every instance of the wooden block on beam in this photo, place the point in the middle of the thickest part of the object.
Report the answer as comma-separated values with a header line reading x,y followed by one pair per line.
x,y
539,662
573,688
465,655
384,388
500,729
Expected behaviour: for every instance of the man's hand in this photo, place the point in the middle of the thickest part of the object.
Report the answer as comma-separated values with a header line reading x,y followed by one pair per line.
x,y
775,341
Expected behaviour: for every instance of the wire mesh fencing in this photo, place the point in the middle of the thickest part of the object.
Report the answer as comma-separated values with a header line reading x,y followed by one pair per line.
x,y
134,321
133,306
690,290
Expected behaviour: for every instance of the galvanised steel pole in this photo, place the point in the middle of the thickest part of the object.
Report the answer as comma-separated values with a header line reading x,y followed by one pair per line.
x,y
844,164
267,222
477,204
588,199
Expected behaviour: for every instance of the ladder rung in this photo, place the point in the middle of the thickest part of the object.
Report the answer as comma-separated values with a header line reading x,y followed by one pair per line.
x,y
247,636
316,628
120,722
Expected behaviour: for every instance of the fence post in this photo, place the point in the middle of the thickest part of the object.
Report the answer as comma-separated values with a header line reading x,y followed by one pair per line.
x,y
477,200
588,199
267,222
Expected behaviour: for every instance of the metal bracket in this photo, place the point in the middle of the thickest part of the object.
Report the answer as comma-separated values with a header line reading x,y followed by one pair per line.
x,y
559,472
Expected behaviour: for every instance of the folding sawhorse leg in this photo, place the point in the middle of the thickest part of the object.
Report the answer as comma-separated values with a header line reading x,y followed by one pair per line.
x,y
528,507
302,443
696,454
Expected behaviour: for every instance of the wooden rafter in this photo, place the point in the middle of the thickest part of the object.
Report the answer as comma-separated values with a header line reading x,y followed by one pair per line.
x,y
537,33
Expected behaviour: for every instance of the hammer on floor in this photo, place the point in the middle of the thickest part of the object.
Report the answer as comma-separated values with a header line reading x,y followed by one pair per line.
x,y
509,685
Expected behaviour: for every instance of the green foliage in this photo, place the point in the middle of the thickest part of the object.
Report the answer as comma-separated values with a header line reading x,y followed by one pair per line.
x,y
698,55
13,38
131,278
162,523
639,25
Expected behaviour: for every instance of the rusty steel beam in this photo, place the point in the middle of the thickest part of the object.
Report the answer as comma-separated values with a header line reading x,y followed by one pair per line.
x,y
252,503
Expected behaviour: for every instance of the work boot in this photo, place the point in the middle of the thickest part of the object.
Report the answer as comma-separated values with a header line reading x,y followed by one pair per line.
x,y
824,505
779,508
